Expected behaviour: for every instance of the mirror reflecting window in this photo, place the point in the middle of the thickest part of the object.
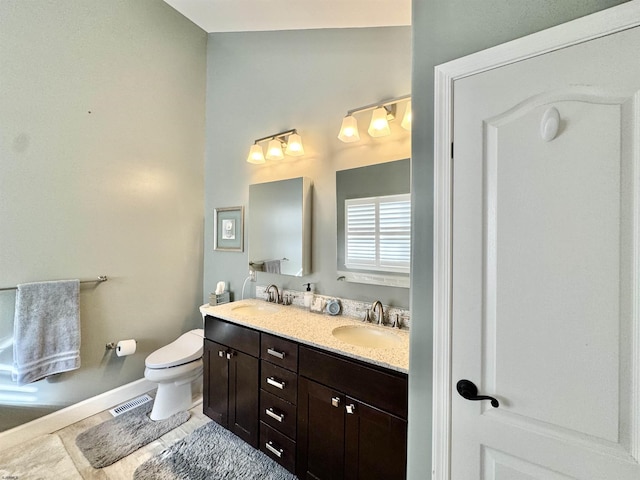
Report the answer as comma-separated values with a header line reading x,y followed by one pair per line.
x,y
279,227
374,223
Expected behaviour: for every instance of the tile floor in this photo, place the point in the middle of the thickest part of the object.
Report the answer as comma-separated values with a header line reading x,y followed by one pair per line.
x,y
124,468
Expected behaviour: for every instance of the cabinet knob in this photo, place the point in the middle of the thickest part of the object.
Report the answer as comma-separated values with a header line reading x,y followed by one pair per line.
x,y
335,401
221,353
351,408
230,355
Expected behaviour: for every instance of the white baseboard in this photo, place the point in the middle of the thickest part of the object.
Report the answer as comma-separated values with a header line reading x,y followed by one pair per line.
x,y
74,413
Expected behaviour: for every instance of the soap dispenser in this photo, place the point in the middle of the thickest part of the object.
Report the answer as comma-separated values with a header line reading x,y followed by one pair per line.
x,y
308,296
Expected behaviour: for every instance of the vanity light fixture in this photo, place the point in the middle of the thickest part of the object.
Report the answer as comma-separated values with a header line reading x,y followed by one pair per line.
x,y
406,119
349,130
274,150
290,140
256,155
383,113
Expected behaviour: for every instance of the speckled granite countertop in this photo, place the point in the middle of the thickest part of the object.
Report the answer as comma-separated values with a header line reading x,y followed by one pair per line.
x,y
314,329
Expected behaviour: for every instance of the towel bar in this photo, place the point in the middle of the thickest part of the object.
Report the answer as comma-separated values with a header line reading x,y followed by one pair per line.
x,y
100,279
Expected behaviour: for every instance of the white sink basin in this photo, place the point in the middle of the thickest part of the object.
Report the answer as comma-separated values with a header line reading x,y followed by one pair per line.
x,y
365,336
259,309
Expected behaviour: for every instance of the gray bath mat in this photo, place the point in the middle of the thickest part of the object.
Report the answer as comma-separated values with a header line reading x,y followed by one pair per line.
x,y
114,439
211,452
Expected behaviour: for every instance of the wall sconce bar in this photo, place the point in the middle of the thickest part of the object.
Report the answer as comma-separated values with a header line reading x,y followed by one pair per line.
x,y
373,106
290,140
383,112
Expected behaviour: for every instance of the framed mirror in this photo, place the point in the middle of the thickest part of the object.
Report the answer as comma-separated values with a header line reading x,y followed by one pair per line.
x,y
279,227
374,223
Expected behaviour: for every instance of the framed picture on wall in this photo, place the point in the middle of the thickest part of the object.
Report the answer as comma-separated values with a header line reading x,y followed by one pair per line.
x,y
228,233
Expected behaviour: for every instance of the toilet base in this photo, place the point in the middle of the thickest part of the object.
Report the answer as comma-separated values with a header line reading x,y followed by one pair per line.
x,y
174,397
170,399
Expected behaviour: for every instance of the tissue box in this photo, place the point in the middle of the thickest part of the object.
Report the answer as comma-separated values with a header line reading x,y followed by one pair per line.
x,y
218,298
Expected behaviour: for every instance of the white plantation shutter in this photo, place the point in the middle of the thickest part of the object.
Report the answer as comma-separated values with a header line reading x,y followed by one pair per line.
x,y
378,233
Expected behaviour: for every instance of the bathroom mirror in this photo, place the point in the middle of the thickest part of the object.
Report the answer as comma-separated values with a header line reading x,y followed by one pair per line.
x,y
279,227
374,223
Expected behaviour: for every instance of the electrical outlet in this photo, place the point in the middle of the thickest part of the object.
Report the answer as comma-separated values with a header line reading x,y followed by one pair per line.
x,y
252,275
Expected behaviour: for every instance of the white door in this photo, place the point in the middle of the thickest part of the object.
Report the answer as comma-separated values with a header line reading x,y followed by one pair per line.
x,y
545,266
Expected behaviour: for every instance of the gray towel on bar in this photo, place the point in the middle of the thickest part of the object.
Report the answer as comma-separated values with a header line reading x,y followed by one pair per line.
x,y
46,330
272,266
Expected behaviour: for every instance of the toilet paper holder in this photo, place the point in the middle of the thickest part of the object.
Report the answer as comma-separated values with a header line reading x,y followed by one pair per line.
x,y
110,346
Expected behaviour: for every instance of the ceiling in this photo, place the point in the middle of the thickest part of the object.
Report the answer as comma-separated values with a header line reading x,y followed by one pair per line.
x,y
264,15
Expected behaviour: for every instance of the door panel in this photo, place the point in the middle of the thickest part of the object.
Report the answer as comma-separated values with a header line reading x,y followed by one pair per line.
x,y
552,261
545,270
320,432
244,397
372,435
216,383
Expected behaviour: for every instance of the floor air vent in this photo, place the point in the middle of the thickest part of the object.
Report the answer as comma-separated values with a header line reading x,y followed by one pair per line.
x,y
130,405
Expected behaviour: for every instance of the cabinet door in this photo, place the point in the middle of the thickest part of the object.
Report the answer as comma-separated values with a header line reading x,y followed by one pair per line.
x,y
244,384
320,432
216,382
375,443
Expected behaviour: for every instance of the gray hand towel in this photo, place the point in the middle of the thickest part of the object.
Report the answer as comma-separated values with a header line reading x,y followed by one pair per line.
x,y
46,330
272,266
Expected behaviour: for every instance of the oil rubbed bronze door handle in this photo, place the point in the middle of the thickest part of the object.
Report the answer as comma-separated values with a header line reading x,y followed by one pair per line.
x,y
468,390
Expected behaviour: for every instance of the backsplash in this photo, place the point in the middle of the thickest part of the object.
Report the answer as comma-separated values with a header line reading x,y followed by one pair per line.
x,y
350,308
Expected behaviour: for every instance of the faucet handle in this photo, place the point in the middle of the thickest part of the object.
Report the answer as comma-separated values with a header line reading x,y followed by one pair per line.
x,y
367,315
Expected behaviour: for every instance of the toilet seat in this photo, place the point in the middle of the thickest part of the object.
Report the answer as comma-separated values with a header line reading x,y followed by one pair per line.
x,y
185,349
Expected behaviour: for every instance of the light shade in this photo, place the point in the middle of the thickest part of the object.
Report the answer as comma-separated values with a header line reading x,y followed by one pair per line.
x,y
379,126
406,119
274,150
294,145
255,154
349,130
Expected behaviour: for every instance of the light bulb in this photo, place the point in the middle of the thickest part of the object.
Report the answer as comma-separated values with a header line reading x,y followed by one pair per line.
x,y
256,156
406,120
379,126
274,150
349,130
294,146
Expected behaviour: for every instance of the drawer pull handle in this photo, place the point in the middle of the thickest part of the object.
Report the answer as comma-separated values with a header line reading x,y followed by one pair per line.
x,y
351,409
276,451
276,353
279,417
230,355
335,401
275,383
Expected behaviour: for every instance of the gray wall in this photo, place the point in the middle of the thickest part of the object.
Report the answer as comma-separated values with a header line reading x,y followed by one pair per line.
x,y
101,172
443,31
264,83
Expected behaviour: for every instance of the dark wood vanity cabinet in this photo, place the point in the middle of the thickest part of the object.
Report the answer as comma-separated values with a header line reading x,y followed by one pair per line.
x,y
318,414
351,420
231,378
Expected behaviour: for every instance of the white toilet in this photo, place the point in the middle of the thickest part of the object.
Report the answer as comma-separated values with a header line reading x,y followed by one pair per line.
x,y
175,367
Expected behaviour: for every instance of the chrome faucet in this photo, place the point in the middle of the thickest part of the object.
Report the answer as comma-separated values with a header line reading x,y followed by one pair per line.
x,y
380,314
270,295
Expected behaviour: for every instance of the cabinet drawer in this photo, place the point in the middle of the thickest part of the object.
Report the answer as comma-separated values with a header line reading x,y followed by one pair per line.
x,y
279,381
278,447
232,335
386,390
279,351
278,413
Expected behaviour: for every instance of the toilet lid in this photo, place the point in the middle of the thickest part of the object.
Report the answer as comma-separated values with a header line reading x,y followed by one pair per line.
x,y
187,348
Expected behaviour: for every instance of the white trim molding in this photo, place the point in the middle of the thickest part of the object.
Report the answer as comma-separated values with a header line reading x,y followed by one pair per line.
x,y
587,28
74,413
